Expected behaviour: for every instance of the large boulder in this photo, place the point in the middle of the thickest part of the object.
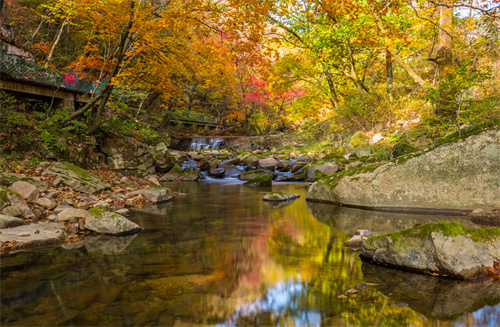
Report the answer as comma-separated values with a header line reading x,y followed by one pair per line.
x,y
20,203
9,221
158,194
320,169
461,175
127,157
163,162
101,221
437,248
76,178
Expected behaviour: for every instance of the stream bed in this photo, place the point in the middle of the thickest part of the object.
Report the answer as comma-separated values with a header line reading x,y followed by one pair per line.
x,y
221,256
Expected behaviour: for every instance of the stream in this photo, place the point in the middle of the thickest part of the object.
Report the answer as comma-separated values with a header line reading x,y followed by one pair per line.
x,y
220,256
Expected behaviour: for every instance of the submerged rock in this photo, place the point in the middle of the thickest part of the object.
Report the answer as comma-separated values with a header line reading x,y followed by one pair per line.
x,y
76,178
458,176
280,196
442,248
101,221
106,244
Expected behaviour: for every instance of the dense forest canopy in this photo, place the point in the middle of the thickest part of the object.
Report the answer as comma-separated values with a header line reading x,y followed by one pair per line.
x,y
264,66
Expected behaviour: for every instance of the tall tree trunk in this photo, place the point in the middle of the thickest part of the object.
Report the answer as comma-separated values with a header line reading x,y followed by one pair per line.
x,y
333,94
98,119
1,6
389,71
56,41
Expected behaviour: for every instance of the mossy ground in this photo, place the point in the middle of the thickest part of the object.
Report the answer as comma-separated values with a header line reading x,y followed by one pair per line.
x,y
334,179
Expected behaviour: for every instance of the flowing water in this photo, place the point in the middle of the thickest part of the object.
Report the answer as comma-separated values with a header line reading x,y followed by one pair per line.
x,y
222,256
200,143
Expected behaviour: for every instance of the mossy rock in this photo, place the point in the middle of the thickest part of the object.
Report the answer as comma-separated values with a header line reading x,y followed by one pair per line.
x,y
403,148
359,140
437,248
249,175
7,179
76,178
260,181
172,174
4,199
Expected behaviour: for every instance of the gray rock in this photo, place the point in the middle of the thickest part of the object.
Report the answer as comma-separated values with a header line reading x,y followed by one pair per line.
x,y
249,160
34,236
52,217
461,175
158,194
362,152
268,163
173,174
191,175
69,214
76,178
10,221
442,248
102,205
252,174
230,170
101,221
357,240
161,148
153,180
46,203
195,155
280,196
326,168
127,155
4,199
61,208
123,212
7,179
353,165
26,190
19,202
12,211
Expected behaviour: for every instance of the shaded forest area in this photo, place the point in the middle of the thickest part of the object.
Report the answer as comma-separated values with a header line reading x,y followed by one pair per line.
x,y
258,66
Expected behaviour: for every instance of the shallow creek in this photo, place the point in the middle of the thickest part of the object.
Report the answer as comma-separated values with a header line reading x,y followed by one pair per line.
x,y
222,256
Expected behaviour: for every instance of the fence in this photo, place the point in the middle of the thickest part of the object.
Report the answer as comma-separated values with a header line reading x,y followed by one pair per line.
x,y
29,70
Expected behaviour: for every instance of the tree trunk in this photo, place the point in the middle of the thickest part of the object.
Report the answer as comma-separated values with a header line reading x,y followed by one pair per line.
x,y
98,119
333,94
164,121
1,6
56,41
124,41
398,59
389,71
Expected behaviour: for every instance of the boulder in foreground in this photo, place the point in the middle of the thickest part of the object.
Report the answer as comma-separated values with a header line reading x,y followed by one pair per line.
x,y
101,221
437,248
34,236
280,196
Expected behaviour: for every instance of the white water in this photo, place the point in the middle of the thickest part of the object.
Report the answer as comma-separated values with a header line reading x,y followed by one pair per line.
x,y
200,143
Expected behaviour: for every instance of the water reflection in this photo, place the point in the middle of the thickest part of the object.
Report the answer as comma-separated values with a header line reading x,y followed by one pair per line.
x,y
222,256
434,297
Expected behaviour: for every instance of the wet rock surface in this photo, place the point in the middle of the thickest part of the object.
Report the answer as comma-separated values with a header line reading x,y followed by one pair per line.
x,y
440,248
280,196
